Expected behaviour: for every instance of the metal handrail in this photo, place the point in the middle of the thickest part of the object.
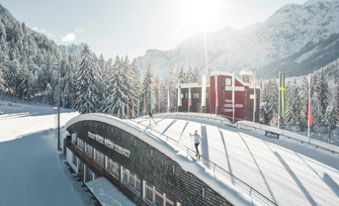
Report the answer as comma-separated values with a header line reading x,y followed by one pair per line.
x,y
215,166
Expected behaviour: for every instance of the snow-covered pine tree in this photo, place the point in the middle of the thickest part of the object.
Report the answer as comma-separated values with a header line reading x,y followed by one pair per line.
x,y
330,118
102,81
68,91
336,95
303,108
320,97
292,111
181,74
196,75
266,110
164,95
148,102
171,83
157,94
116,102
135,87
86,80
3,44
11,76
274,100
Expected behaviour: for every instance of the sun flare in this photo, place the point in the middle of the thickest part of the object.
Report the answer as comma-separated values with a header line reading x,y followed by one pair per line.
x,y
202,14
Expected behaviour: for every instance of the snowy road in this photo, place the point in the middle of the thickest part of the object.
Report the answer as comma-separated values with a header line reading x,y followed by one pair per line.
x,y
32,172
282,170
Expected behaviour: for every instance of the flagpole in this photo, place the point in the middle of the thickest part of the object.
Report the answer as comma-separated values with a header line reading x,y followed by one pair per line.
x,y
254,96
179,97
159,99
203,93
309,106
168,100
216,93
189,93
279,108
233,97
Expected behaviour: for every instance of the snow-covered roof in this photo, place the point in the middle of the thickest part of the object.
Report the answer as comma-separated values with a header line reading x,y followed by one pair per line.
x,y
229,192
287,172
228,74
221,73
189,85
246,72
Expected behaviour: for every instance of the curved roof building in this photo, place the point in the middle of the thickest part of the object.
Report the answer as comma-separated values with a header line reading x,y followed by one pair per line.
x,y
157,165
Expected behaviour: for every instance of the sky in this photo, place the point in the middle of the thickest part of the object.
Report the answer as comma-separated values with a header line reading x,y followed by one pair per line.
x,y
130,27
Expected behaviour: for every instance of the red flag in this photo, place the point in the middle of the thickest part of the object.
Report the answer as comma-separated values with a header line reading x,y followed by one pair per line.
x,y
310,116
189,96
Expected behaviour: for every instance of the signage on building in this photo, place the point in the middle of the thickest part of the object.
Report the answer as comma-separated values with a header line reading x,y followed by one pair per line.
x,y
108,143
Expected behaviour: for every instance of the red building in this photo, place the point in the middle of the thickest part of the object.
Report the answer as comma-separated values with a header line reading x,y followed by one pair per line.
x,y
221,97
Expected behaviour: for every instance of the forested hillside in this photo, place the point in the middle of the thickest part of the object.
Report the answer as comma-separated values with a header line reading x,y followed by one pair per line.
x,y
31,64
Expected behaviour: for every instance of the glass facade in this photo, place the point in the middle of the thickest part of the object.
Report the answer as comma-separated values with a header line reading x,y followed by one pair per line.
x,y
150,194
74,160
89,150
113,168
99,158
132,181
81,144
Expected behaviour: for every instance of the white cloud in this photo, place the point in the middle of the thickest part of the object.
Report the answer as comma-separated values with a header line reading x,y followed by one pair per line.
x,y
78,30
68,38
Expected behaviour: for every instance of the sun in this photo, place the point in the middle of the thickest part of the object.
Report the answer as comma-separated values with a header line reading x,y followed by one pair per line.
x,y
202,14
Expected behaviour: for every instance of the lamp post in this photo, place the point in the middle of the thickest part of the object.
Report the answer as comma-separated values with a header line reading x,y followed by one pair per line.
x,y
57,109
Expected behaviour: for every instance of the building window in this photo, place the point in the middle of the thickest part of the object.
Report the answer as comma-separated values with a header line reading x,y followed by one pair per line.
x,y
149,193
81,144
196,95
89,150
74,138
132,181
154,196
99,158
90,175
74,160
169,202
228,82
203,192
158,198
113,167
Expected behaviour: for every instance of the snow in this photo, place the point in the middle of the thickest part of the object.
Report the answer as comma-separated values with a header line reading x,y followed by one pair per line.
x,y
189,85
314,142
32,171
286,171
173,151
19,120
107,194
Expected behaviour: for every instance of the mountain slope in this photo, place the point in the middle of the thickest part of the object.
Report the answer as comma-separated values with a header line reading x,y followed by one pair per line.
x,y
293,33
30,63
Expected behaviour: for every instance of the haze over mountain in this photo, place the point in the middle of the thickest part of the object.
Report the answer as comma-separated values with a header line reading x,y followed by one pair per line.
x,y
297,39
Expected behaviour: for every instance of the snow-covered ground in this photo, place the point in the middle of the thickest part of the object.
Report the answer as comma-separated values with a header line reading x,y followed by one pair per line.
x,y
286,171
32,171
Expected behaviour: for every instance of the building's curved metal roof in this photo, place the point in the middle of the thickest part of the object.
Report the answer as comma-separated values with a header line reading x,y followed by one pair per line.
x,y
280,170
